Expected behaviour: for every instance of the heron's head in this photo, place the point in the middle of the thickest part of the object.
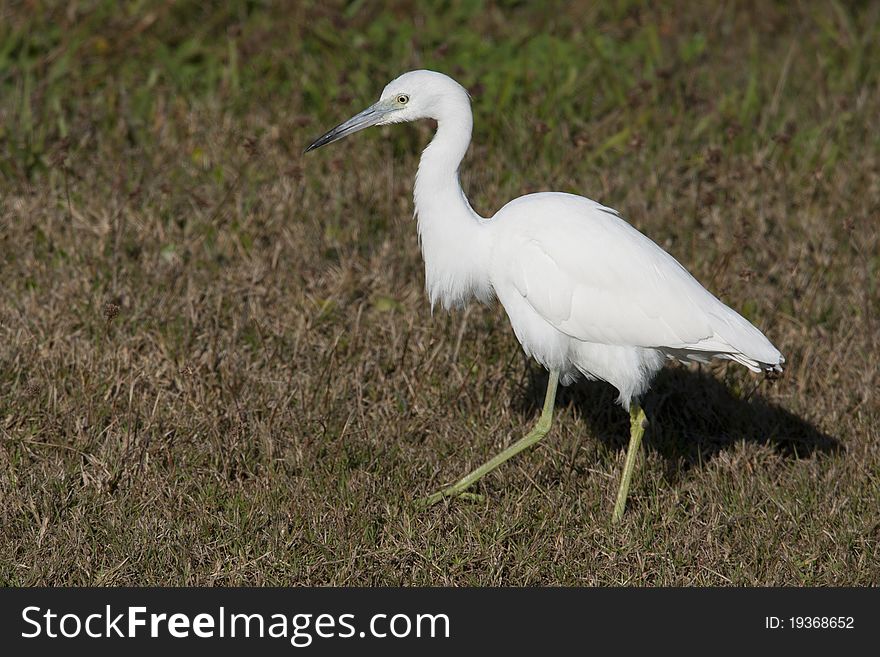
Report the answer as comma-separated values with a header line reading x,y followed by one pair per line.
x,y
410,97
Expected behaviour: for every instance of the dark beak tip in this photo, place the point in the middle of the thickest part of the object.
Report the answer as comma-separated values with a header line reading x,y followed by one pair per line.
x,y
320,141
365,119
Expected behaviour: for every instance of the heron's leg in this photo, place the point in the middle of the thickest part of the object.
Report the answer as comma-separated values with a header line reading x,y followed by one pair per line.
x,y
637,424
539,431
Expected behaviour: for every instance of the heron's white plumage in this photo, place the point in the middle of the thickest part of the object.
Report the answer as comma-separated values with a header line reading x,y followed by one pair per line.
x,y
617,300
586,293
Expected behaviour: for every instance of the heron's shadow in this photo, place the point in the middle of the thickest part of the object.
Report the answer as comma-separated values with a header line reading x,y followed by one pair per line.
x,y
692,417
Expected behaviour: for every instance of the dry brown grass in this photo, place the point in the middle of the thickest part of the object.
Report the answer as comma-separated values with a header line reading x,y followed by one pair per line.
x,y
218,366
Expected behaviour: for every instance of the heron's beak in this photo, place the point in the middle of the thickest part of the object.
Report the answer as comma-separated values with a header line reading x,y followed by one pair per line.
x,y
369,117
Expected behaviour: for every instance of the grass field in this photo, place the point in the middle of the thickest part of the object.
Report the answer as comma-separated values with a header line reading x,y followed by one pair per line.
x,y
217,362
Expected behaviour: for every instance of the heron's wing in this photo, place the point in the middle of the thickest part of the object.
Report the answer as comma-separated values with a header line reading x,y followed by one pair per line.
x,y
597,279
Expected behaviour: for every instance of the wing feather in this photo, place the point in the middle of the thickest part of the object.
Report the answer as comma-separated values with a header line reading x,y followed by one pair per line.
x,y
597,279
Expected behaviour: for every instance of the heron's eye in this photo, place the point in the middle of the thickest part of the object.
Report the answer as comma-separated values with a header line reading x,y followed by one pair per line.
x,y
403,99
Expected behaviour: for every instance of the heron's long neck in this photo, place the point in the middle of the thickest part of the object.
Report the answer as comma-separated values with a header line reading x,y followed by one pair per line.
x,y
454,238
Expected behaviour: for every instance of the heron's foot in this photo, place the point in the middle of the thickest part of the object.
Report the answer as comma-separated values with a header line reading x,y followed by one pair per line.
x,y
638,423
458,488
451,491
539,431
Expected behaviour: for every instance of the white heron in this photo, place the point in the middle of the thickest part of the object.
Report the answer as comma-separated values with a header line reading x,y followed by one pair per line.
x,y
586,293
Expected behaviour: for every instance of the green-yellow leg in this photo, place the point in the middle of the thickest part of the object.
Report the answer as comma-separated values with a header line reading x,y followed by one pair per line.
x,y
637,424
540,430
